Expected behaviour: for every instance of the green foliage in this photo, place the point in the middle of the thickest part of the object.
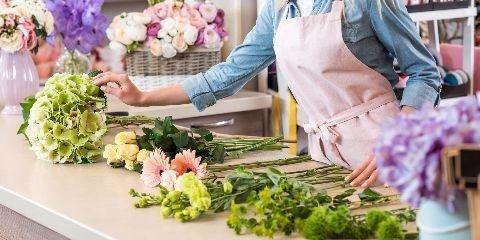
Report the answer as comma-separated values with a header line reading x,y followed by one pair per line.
x,y
389,229
95,73
166,136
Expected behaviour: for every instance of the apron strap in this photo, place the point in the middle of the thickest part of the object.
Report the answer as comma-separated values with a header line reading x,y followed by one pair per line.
x,y
336,13
292,9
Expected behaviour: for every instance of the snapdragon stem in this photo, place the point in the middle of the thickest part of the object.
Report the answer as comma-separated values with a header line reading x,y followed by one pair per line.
x,y
274,163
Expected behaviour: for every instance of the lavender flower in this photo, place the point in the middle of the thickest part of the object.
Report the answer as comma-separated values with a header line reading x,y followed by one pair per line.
x,y
409,151
80,23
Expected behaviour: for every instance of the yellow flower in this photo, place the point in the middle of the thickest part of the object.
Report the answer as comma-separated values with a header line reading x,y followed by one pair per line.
x,y
143,155
110,153
127,152
129,165
126,138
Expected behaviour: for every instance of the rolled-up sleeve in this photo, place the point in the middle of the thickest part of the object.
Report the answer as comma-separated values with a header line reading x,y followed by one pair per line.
x,y
244,63
396,30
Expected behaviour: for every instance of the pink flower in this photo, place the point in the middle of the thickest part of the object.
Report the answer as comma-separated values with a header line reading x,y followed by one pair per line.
x,y
187,162
161,10
221,31
154,167
168,180
174,11
212,38
201,38
3,4
219,21
153,28
221,13
208,11
196,19
29,36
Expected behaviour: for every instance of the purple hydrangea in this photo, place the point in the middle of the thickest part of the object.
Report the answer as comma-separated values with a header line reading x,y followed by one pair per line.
x,y
80,23
409,150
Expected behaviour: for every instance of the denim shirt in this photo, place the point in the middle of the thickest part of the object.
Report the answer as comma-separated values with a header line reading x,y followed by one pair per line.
x,y
375,35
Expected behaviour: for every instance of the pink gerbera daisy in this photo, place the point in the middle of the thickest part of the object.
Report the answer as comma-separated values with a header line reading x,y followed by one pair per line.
x,y
153,168
187,162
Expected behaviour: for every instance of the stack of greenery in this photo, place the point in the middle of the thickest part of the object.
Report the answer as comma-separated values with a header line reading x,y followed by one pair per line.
x,y
273,202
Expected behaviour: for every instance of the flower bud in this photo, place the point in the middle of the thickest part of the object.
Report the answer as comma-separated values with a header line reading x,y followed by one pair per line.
x,y
227,187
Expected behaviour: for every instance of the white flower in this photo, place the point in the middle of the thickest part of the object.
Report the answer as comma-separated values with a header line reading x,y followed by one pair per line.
x,y
182,24
141,18
156,47
11,43
118,47
162,33
2,22
179,43
110,34
168,180
122,36
191,35
137,32
212,39
49,23
168,50
173,32
169,24
167,39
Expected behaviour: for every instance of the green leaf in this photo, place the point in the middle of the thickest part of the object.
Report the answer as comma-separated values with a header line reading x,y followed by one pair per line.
x,y
180,139
369,195
342,198
274,175
204,133
218,154
26,105
95,73
138,167
22,128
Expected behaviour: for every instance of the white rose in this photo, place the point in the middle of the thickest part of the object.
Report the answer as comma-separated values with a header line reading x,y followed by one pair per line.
x,y
169,24
137,32
11,43
172,32
191,35
167,39
110,34
22,10
49,23
122,36
2,22
156,47
39,15
168,50
118,47
179,43
141,18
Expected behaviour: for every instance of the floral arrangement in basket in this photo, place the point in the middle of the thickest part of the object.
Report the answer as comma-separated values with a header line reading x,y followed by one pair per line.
x,y
23,24
410,160
168,28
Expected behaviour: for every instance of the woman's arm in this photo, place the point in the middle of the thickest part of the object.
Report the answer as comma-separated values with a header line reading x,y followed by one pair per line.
x,y
222,80
397,32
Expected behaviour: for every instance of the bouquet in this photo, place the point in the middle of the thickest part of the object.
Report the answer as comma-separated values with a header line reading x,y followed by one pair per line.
x,y
168,28
23,24
63,122
410,160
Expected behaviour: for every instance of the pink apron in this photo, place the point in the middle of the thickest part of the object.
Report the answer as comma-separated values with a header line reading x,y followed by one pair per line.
x,y
346,101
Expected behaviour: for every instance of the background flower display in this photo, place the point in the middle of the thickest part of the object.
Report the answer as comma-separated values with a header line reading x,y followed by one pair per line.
x,y
410,160
168,28
81,25
63,122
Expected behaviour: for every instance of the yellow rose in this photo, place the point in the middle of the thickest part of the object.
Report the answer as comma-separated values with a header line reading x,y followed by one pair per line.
x,y
143,155
127,152
110,153
129,165
126,138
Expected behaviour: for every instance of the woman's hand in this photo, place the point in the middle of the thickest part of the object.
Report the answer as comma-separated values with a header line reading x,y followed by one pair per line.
x,y
364,175
126,91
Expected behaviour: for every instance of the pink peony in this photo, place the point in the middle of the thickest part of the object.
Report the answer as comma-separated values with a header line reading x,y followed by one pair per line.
x,y
208,11
201,38
153,168
29,36
212,38
220,30
219,21
196,19
174,11
187,162
161,10
153,28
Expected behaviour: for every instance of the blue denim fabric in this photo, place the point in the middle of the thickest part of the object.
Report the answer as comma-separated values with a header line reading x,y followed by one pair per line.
x,y
375,35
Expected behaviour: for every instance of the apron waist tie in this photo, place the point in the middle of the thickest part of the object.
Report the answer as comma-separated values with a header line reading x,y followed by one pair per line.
x,y
327,132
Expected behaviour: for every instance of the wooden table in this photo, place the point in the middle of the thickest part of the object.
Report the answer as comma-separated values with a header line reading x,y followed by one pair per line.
x,y
88,201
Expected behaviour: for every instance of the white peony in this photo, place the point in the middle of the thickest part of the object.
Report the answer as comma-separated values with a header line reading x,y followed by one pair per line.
x,y
137,33
49,23
162,33
140,18
2,22
179,43
173,32
168,50
169,24
11,42
118,47
156,47
167,39
191,35
121,35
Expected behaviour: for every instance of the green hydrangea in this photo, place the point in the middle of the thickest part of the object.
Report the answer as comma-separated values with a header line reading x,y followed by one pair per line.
x,y
65,124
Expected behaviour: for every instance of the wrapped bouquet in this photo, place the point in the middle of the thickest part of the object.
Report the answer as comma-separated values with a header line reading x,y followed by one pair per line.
x,y
23,24
168,28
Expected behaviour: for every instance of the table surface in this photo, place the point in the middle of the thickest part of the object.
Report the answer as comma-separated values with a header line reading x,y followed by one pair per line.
x,y
91,201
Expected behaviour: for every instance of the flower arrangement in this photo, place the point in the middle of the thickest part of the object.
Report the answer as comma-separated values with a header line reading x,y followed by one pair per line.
x,y
81,26
63,122
410,160
23,24
168,28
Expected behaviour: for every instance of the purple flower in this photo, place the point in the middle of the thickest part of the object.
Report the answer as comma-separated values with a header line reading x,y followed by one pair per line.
x,y
220,30
201,38
153,28
219,21
80,23
409,151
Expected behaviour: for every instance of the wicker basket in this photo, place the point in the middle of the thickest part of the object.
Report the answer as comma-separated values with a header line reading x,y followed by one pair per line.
x,y
190,62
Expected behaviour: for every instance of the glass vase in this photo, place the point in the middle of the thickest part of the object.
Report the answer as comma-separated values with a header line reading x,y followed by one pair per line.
x,y
73,62
18,80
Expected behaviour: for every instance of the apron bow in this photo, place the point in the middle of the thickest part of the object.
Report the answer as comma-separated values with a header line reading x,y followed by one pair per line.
x,y
326,132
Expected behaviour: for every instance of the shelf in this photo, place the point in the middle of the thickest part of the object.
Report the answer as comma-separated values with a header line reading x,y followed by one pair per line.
x,y
444,14
240,102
